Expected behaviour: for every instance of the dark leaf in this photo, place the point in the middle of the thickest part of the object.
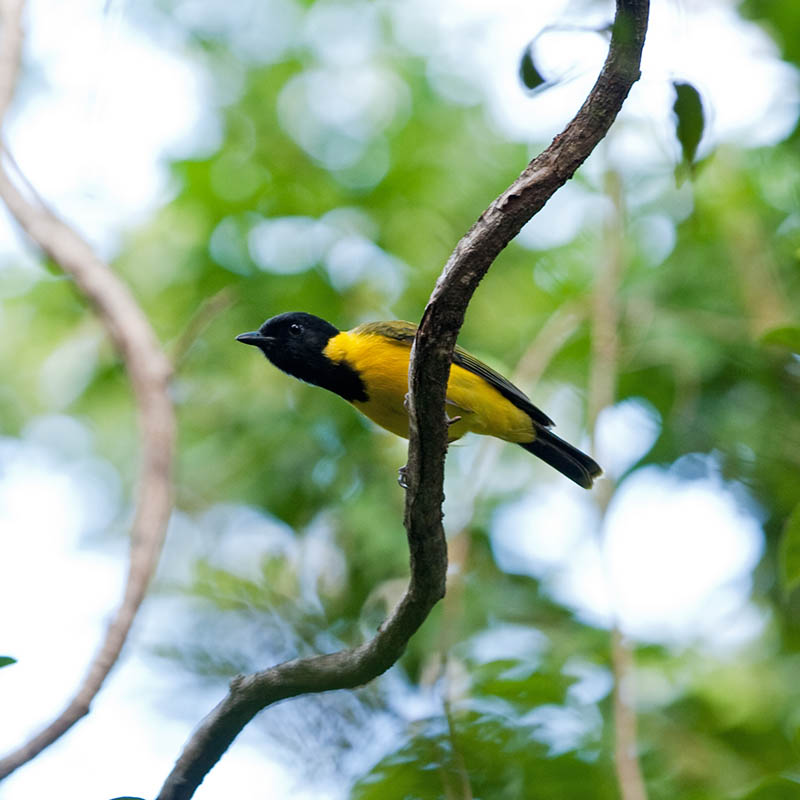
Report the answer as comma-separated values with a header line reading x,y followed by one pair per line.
x,y
689,119
528,73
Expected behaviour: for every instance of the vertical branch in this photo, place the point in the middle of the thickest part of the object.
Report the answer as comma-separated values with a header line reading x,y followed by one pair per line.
x,y
149,372
602,393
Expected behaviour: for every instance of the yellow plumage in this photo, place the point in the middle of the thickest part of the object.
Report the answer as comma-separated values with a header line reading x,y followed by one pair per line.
x,y
382,364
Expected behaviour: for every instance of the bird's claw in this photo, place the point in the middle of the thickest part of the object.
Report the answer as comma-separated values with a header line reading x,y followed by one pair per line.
x,y
451,420
401,476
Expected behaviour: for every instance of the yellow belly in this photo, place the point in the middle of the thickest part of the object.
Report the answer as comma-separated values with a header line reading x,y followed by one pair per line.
x,y
383,367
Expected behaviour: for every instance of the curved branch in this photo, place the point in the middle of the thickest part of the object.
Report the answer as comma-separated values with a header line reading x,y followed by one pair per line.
x,y
149,371
429,369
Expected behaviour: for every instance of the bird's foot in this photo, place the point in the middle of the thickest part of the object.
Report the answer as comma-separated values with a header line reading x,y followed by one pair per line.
x,y
401,476
407,402
451,420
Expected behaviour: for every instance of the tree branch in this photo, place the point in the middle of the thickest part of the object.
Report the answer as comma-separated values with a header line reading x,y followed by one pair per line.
x,y
149,372
429,369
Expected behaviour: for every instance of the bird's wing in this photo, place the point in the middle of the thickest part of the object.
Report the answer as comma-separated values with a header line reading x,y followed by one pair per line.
x,y
514,395
403,332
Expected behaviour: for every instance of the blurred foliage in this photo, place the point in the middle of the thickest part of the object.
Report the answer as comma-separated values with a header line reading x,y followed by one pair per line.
x,y
781,20
790,552
289,540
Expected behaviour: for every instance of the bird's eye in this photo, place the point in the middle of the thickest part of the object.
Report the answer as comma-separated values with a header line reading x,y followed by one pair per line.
x,y
295,329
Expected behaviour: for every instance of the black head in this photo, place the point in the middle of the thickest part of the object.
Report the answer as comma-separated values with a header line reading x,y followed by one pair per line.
x,y
295,341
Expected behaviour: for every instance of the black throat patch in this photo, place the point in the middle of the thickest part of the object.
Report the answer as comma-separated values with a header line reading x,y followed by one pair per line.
x,y
342,379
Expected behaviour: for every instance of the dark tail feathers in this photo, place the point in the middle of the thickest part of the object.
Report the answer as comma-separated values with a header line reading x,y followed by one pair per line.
x,y
568,460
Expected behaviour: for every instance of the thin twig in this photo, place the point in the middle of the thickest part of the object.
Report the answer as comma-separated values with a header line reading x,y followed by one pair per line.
x,y
149,372
198,322
626,749
428,372
602,393
459,765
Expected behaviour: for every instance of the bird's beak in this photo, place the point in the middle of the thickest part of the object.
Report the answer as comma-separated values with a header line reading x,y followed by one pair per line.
x,y
254,338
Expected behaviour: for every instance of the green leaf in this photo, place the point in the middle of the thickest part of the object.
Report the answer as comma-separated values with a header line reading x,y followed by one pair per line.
x,y
7,661
784,336
520,684
789,552
775,788
689,120
528,72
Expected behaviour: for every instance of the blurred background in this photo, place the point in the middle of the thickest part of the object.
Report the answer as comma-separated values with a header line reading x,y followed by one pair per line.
x,y
237,160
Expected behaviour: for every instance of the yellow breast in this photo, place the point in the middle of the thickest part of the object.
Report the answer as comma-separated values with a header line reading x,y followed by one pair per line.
x,y
382,364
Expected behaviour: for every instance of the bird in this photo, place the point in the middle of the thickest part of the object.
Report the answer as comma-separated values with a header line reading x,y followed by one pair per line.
x,y
368,367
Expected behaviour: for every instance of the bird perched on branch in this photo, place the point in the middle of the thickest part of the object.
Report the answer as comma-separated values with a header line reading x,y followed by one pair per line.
x,y
368,367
